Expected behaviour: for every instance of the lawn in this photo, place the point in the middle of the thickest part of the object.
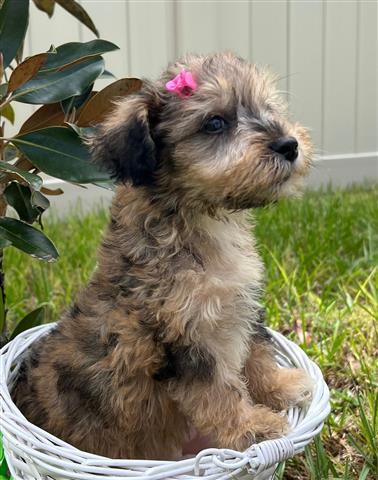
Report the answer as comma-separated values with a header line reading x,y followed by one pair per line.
x,y
321,253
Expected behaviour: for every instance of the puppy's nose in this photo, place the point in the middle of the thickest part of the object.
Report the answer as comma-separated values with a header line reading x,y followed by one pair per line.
x,y
287,147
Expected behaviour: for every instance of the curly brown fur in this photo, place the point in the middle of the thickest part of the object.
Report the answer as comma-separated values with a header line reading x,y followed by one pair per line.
x,y
168,332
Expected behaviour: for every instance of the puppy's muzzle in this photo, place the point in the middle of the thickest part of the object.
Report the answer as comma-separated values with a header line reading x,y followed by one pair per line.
x,y
287,147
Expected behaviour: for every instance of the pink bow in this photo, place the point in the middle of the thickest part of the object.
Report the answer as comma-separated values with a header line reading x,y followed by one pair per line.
x,y
183,84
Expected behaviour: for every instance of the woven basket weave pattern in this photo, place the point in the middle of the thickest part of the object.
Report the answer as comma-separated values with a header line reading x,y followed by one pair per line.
x,y
34,454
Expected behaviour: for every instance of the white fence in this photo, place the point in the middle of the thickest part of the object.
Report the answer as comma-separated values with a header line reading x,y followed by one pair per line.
x,y
325,52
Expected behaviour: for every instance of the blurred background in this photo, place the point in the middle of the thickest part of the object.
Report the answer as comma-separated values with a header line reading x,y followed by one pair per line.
x,y
326,53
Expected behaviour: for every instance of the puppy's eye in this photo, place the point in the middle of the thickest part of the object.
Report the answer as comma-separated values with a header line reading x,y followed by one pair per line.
x,y
215,125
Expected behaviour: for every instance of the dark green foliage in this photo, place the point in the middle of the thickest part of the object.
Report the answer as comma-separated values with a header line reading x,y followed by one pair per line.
x,y
61,81
51,87
59,152
28,239
14,17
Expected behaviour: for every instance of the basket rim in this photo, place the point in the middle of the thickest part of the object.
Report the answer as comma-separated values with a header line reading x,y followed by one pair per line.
x,y
22,439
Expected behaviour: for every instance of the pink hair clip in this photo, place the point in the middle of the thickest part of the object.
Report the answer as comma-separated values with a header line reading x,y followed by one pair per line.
x,y
183,84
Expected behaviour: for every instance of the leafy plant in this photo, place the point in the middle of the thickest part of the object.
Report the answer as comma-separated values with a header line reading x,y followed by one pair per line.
x,y
61,80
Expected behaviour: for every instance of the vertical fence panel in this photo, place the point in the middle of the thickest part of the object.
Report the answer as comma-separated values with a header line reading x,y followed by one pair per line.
x,y
305,60
151,36
340,77
233,30
197,27
367,81
270,36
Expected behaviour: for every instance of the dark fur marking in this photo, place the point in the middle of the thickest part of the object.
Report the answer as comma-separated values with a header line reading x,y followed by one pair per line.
x,y
261,315
31,402
108,244
128,152
55,332
75,310
34,358
261,332
107,295
126,262
94,348
113,224
150,327
186,363
103,291
113,340
81,393
22,374
195,255
81,309
27,401
116,279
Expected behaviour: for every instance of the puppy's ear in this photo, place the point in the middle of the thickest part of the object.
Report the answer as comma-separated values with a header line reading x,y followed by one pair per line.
x,y
123,144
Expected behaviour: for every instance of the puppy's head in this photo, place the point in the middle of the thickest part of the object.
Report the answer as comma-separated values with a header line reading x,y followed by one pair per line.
x,y
229,144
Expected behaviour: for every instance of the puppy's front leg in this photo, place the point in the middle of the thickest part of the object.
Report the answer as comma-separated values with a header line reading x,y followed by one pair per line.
x,y
222,408
278,388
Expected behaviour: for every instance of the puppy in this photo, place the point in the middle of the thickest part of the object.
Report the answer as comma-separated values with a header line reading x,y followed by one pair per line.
x,y
168,335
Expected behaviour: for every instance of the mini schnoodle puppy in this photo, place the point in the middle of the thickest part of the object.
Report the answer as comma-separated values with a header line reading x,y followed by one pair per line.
x,y
168,336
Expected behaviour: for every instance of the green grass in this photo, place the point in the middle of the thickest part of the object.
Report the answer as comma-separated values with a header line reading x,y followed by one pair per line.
x,y
321,253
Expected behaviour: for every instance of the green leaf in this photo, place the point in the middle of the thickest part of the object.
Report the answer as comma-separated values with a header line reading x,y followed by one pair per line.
x,y
40,201
46,6
14,15
106,74
31,320
78,12
59,152
8,113
51,87
19,197
34,180
28,239
72,52
77,101
3,89
83,132
10,152
4,243
106,185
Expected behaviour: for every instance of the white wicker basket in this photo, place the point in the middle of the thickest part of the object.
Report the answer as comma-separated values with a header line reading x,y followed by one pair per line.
x,y
33,454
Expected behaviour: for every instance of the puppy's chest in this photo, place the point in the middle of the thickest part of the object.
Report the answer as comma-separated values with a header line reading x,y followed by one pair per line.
x,y
236,268
233,279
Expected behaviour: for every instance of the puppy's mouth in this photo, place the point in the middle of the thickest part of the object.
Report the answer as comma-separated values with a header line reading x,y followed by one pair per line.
x,y
264,192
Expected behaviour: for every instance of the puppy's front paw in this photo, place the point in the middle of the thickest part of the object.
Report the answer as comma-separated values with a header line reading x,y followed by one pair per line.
x,y
291,387
261,424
